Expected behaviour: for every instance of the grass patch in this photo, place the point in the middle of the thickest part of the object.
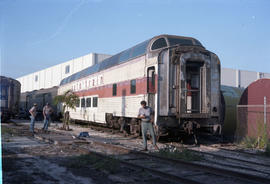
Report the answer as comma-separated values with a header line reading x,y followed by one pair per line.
x,y
249,142
83,161
6,130
260,140
174,153
255,143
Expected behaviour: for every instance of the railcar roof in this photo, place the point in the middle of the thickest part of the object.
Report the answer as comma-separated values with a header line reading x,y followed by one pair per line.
x,y
126,55
6,80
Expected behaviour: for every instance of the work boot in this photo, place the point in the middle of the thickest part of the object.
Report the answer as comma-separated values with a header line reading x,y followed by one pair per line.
x,y
145,149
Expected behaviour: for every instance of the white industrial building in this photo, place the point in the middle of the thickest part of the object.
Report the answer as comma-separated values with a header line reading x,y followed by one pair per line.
x,y
52,76
240,78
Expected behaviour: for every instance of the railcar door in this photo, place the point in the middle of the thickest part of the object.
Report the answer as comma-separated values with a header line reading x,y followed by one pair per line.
x,y
195,86
194,80
151,86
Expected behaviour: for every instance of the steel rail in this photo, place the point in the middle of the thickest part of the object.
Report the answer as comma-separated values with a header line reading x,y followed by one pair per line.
x,y
210,169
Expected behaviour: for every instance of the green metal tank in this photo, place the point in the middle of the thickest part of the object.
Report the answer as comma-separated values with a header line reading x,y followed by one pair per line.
x,y
230,97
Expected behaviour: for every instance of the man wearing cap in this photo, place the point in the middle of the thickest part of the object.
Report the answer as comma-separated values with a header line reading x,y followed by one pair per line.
x,y
146,116
47,111
33,113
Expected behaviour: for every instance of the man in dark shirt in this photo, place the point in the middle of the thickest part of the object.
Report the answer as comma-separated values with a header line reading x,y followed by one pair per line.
x,y
146,116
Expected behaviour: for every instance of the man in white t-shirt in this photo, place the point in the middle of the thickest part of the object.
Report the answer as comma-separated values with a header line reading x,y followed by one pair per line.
x,y
146,115
47,112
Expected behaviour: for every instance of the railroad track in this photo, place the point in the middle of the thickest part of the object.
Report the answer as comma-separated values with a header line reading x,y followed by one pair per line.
x,y
171,169
175,170
231,159
247,163
194,169
240,155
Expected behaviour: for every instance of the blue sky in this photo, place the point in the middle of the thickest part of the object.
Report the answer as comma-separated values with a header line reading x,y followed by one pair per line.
x,y
35,34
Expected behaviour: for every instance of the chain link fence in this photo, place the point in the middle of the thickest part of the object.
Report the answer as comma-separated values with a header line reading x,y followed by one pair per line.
x,y
253,121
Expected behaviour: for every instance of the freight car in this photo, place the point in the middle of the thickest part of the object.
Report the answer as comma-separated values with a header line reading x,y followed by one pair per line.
x,y
10,90
176,75
40,97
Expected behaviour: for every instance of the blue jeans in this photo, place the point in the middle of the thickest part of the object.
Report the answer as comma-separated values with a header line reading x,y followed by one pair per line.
x,y
32,124
148,126
46,122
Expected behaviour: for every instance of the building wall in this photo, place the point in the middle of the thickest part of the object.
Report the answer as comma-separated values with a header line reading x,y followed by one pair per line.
x,y
52,76
228,77
240,78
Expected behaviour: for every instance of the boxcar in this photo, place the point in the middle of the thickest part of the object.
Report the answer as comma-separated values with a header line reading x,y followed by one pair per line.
x,y
40,97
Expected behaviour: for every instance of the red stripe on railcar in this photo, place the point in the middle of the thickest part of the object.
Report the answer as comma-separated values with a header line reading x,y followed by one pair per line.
x,y
123,89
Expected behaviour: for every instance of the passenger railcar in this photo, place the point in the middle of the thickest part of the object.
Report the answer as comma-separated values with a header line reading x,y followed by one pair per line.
x,y
176,75
10,90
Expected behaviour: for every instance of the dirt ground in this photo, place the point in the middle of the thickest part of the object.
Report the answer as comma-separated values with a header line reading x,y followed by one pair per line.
x,y
28,160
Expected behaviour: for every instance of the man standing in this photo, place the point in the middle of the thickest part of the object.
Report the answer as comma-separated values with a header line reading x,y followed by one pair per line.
x,y
33,113
146,116
47,111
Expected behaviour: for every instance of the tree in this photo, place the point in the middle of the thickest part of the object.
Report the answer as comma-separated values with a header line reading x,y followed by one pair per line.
x,y
69,100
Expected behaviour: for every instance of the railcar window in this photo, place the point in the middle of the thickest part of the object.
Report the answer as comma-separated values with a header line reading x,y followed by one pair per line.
x,y
180,41
139,49
133,86
95,101
36,78
68,79
3,92
82,102
114,92
125,55
90,70
83,73
197,43
107,63
76,76
88,102
159,43
78,103
67,69
72,77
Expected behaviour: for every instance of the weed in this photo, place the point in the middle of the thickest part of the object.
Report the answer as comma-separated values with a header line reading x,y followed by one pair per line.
x,y
108,164
6,130
174,153
249,142
260,140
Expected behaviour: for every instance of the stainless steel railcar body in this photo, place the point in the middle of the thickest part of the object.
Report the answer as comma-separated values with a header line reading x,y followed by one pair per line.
x,y
176,75
188,93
